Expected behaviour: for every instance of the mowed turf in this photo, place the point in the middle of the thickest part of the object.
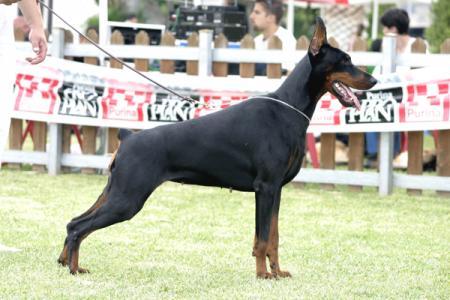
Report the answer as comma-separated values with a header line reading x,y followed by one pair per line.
x,y
193,242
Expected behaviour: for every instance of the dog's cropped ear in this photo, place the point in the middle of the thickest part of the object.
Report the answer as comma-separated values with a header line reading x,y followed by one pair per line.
x,y
319,38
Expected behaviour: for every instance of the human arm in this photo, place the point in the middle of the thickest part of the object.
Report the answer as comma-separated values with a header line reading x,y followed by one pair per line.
x,y
30,11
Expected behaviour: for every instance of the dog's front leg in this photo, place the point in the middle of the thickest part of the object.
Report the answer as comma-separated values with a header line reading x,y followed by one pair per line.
x,y
265,195
272,248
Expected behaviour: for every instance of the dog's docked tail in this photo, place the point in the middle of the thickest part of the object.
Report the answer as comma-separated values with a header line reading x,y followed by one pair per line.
x,y
122,135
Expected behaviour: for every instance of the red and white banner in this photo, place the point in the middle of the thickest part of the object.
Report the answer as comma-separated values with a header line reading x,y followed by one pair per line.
x,y
61,91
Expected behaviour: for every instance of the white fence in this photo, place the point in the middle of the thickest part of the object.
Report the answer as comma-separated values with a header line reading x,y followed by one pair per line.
x,y
385,179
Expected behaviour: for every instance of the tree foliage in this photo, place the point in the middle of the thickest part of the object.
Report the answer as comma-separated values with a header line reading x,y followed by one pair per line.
x,y
304,21
146,11
117,11
440,27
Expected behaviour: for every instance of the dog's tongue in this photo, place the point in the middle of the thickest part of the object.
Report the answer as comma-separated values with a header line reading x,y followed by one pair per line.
x,y
351,97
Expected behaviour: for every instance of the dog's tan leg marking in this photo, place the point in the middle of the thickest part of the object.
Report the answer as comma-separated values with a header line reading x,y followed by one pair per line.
x,y
63,257
74,268
272,250
260,252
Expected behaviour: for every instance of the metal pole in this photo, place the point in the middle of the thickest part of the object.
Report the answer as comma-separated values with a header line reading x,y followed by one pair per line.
x,y
103,22
103,30
375,17
205,52
54,129
48,17
290,16
386,150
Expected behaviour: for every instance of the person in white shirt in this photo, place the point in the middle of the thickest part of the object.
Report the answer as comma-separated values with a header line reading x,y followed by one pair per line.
x,y
266,17
395,21
32,14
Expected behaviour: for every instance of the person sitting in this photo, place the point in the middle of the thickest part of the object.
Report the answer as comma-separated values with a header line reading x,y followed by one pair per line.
x,y
394,21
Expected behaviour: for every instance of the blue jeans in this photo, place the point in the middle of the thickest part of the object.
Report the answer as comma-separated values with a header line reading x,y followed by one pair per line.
x,y
372,141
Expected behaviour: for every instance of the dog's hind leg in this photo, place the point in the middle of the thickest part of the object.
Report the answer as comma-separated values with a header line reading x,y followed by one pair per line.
x,y
272,248
265,195
63,257
119,206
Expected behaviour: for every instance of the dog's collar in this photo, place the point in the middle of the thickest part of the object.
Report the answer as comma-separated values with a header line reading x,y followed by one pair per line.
x,y
284,103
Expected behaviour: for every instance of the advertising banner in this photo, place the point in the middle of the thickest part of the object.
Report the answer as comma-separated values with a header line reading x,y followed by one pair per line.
x,y
62,91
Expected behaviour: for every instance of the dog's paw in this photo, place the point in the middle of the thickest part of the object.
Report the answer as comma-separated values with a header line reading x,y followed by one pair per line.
x,y
266,275
63,259
283,274
63,262
79,271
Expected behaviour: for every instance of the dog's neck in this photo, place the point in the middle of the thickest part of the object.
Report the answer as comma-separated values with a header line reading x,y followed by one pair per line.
x,y
297,89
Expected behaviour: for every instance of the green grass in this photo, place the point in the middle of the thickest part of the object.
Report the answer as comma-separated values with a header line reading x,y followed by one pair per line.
x,y
195,243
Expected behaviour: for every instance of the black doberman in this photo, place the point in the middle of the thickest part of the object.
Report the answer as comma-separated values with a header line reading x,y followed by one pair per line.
x,y
255,146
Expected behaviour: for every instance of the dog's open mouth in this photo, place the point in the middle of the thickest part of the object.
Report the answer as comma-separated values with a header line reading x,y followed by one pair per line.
x,y
345,95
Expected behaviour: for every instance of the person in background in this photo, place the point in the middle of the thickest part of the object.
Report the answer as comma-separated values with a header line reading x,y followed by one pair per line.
x,y
32,15
266,17
132,18
358,34
395,21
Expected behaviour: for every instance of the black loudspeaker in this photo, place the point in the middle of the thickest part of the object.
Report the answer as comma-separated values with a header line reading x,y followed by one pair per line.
x,y
229,20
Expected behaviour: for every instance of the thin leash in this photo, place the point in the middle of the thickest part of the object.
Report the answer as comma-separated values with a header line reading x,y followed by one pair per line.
x,y
189,99
283,103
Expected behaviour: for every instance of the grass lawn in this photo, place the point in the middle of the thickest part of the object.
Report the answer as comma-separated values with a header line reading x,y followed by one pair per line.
x,y
194,242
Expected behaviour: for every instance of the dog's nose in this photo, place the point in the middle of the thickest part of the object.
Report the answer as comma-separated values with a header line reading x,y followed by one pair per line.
x,y
373,80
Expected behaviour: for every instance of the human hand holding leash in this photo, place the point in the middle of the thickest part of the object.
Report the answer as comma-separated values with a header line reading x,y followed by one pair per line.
x,y
39,44
37,37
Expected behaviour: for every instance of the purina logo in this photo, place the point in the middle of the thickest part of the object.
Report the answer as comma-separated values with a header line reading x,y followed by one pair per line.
x,y
377,107
387,95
